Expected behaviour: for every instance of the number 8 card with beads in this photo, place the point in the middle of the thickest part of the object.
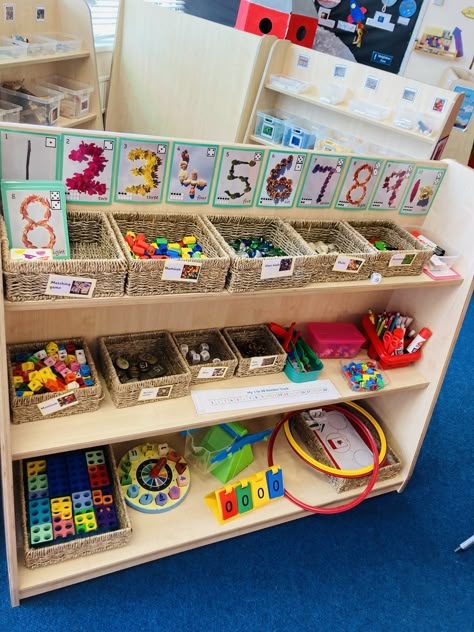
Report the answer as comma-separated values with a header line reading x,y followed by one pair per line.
x,y
35,216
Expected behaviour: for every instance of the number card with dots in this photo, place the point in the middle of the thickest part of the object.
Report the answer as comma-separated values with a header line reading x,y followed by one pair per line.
x,y
141,169
238,175
35,216
361,177
281,178
191,173
30,155
422,190
88,168
247,494
69,496
392,185
322,180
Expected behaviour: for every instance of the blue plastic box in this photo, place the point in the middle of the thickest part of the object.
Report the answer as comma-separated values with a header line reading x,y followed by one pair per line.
x,y
299,134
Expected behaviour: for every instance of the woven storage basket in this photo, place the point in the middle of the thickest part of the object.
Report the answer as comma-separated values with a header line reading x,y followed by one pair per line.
x,y
145,276
36,557
219,348
235,336
244,274
348,244
25,409
160,343
95,254
397,237
392,464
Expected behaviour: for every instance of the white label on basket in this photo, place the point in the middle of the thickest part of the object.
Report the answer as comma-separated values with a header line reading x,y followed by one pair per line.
x,y
58,403
275,267
400,259
156,392
348,264
182,271
73,287
262,362
214,372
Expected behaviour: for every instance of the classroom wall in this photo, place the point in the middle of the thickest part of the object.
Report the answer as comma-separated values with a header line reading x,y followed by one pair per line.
x,y
429,69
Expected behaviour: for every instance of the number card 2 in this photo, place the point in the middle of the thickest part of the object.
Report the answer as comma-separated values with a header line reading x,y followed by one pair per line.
x,y
321,181
141,169
88,167
238,175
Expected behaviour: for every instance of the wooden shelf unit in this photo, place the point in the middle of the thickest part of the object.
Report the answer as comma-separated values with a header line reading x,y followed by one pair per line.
x,y
61,16
404,406
318,70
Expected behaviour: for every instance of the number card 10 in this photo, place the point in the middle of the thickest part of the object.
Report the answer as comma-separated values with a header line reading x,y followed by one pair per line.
x,y
247,494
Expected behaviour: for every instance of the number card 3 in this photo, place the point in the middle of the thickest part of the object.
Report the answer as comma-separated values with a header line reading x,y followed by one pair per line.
x,y
141,169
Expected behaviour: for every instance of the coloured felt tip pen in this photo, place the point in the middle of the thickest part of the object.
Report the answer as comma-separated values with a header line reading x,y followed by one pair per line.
x,y
419,340
465,545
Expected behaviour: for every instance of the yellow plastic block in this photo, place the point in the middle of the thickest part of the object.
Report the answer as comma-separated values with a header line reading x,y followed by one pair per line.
x,y
35,385
33,468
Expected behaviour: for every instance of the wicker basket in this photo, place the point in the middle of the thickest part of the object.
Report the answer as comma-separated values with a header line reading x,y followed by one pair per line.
x,y
145,276
175,384
415,254
275,356
25,409
95,253
349,245
36,557
219,348
391,467
245,274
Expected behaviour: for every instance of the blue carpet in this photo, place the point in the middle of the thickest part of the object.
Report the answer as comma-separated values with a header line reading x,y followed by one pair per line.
x,y
387,565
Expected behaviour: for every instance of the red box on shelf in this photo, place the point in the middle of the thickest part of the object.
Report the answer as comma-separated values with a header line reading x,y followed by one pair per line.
x,y
377,350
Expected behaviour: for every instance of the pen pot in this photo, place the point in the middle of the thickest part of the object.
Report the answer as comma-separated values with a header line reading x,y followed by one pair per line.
x,y
377,351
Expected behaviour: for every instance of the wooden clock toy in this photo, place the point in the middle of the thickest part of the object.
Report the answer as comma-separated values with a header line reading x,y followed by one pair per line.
x,y
154,478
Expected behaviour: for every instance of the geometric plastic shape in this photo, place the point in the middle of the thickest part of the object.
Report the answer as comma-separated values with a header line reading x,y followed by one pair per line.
x,y
182,481
98,475
174,493
133,491
145,499
161,499
63,528
39,511
95,457
41,533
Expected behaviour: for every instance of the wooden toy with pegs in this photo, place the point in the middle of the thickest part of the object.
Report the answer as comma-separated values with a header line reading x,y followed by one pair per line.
x,y
249,493
154,478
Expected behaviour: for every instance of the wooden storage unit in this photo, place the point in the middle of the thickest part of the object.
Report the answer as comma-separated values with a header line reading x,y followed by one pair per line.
x,y
319,69
405,405
60,16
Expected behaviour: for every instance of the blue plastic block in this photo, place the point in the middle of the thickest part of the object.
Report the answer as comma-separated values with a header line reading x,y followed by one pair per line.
x,y
39,511
82,501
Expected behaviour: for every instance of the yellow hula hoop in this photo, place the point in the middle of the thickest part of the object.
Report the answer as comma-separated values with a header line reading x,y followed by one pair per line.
x,y
333,470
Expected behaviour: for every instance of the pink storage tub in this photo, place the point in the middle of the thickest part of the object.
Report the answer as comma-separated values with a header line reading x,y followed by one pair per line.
x,y
334,340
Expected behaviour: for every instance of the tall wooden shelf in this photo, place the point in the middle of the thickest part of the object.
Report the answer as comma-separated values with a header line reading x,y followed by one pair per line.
x,y
317,69
405,405
61,16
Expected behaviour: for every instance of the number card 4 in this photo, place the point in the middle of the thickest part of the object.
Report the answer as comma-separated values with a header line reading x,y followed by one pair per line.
x,y
247,494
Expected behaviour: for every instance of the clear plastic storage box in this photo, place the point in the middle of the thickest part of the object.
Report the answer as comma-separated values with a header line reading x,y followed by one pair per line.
x,y
39,108
76,94
334,340
290,84
370,110
35,44
271,125
299,133
9,112
63,42
9,49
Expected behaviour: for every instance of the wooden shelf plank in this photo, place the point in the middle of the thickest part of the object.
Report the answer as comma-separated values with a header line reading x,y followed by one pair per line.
x,y
344,111
155,536
42,59
74,122
341,287
109,424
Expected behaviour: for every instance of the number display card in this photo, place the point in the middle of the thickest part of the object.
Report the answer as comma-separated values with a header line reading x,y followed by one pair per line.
x,y
282,175
191,174
88,168
361,178
29,156
140,172
422,190
239,171
35,215
321,181
392,186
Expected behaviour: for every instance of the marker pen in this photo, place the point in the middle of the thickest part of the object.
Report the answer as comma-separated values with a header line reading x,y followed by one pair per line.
x,y
427,242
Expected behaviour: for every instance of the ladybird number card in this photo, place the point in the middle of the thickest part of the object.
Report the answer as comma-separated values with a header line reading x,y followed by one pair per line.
x,y
35,215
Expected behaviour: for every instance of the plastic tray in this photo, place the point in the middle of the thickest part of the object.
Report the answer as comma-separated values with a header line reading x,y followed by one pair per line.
x,y
334,340
36,44
76,94
377,350
64,42
373,366
299,134
9,112
9,49
41,109
370,110
271,125
332,93
290,84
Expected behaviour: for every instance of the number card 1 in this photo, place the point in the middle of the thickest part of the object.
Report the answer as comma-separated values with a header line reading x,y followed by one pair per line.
x,y
247,494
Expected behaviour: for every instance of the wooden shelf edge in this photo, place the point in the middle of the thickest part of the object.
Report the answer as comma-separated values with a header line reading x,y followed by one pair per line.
x,y
391,283
346,112
43,59
30,586
112,425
